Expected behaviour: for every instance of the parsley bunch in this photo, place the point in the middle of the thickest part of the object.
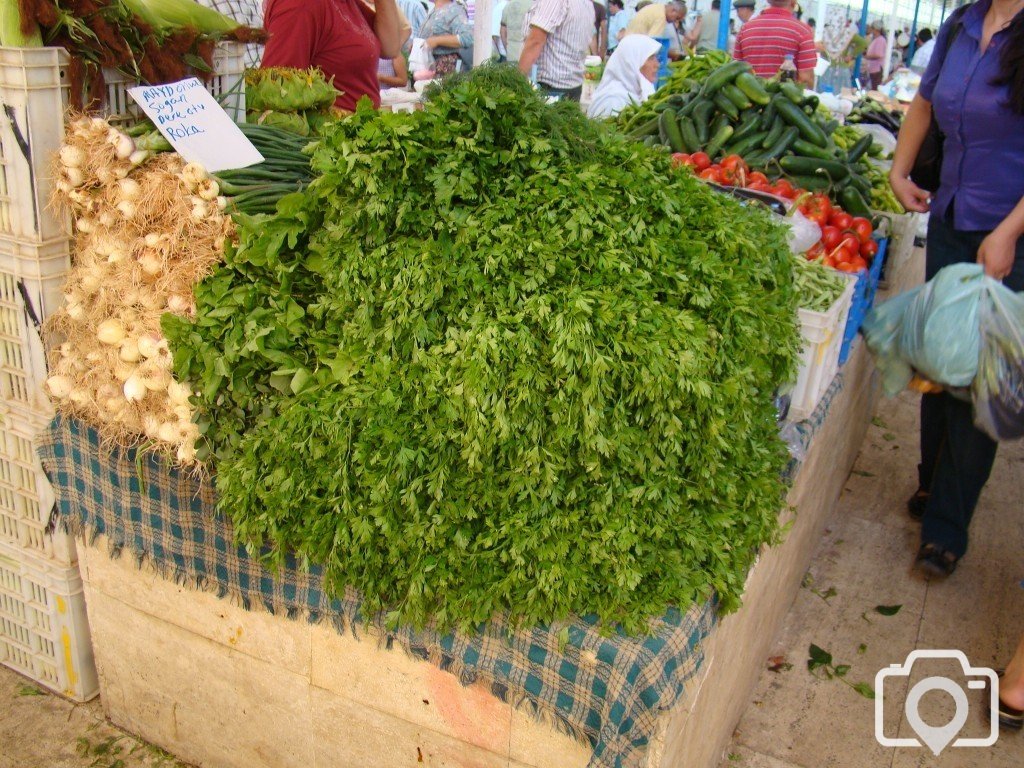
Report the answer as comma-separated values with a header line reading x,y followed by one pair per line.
x,y
498,359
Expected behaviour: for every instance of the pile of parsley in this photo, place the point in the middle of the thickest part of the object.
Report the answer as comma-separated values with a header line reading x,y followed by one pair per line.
x,y
497,358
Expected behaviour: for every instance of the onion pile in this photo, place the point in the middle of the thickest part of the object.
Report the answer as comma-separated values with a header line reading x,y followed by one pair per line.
x,y
147,229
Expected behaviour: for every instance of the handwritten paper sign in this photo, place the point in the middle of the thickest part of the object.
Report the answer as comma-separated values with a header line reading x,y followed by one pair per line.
x,y
196,125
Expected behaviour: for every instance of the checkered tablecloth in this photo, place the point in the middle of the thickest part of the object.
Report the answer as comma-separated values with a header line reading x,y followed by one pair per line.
x,y
608,691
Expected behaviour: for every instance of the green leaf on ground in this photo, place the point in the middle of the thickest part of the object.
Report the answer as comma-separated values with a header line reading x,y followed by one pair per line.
x,y
862,473
819,657
888,610
30,690
878,422
864,690
889,436
862,649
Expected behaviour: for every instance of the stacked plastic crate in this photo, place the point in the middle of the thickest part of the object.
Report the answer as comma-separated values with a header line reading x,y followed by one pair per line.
x,y
44,632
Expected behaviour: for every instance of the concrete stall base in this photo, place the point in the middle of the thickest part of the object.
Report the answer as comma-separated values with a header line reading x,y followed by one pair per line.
x,y
221,686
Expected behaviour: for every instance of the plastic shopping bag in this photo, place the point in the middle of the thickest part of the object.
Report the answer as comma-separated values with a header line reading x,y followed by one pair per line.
x,y
933,329
419,56
998,390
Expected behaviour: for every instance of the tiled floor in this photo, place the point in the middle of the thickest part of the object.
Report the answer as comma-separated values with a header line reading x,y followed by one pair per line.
x,y
863,560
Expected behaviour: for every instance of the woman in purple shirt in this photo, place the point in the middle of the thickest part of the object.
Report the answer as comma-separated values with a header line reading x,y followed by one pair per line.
x,y
974,86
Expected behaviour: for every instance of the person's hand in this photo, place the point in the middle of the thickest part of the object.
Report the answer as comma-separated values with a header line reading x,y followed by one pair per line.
x,y
430,43
909,194
996,253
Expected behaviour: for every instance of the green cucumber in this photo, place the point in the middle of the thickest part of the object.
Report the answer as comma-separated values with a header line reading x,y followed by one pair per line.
x,y
719,123
793,92
719,140
723,75
668,129
773,135
744,147
861,184
736,96
645,129
806,149
813,166
747,128
689,134
853,202
768,117
752,88
857,150
791,113
810,183
725,106
788,136
702,119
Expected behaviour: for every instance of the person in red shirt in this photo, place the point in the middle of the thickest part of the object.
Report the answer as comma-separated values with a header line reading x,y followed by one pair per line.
x,y
765,41
344,38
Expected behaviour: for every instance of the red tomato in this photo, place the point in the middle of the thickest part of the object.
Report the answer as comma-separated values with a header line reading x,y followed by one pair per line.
x,y
700,160
784,189
759,186
858,263
734,162
840,219
869,249
829,261
862,227
679,158
842,255
846,266
817,208
757,176
816,251
830,237
851,243
712,174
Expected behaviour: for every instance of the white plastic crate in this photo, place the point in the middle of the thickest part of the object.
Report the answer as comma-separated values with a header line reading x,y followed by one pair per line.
x,y
26,496
822,334
44,630
33,96
31,289
227,81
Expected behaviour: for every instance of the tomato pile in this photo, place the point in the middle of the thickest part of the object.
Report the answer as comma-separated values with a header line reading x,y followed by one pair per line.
x,y
846,241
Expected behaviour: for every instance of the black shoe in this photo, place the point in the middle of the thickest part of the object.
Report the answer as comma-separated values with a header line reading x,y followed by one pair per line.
x,y
917,503
1009,717
933,560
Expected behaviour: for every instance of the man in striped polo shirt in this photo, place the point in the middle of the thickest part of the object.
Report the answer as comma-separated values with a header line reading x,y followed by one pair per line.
x,y
765,42
557,40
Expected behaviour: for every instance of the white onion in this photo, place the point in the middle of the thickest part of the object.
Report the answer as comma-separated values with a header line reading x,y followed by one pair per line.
x,y
134,389
178,393
168,432
126,209
129,351
192,174
72,157
151,426
130,189
115,406
222,203
178,304
95,357
183,412
209,190
186,454
116,255
153,376
138,157
151,263
84,225
124,371
200,211
66,349
107,219
76,312
60,386
110,332
123,144
154,240
149,344
79,397
75,176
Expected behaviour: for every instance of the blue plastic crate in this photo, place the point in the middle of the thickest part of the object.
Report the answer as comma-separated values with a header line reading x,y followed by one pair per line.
x,y
863,298
663,70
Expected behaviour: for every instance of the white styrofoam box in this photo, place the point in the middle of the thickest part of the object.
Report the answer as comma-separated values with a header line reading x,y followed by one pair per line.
x,y
31,288
44,630
26,496
227,85
33,96
822,335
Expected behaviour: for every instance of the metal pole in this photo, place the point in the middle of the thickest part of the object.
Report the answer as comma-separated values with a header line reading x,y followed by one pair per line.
x,y
482,42
942,18
819,30
863,32
890,44
723,25
913,32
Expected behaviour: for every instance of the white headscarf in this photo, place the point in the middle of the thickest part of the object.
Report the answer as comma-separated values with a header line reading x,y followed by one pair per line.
x,y
622,84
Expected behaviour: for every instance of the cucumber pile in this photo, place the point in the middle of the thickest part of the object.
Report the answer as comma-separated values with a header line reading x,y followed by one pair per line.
x,y
772,125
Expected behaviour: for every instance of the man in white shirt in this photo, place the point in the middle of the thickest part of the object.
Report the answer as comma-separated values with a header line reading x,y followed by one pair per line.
x,y
557,41
923,54
499,46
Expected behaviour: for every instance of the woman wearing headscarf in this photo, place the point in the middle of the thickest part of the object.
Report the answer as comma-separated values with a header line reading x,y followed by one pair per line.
x,y
629,76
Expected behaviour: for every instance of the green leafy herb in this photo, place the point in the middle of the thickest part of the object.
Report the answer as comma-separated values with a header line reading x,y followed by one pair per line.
x,y
888,610
499,359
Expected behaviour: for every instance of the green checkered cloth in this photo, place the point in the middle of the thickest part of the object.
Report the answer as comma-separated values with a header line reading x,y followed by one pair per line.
x,y
607,691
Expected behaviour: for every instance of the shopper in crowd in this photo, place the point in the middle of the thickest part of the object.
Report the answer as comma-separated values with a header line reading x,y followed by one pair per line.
x,y
618,18
599,45
875,54
704,35
744,10
415,12
765,42
393,73
629,76
977,214
923,54
1011,691
448,35
496,42
557,41
513,28
652,19
344,38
